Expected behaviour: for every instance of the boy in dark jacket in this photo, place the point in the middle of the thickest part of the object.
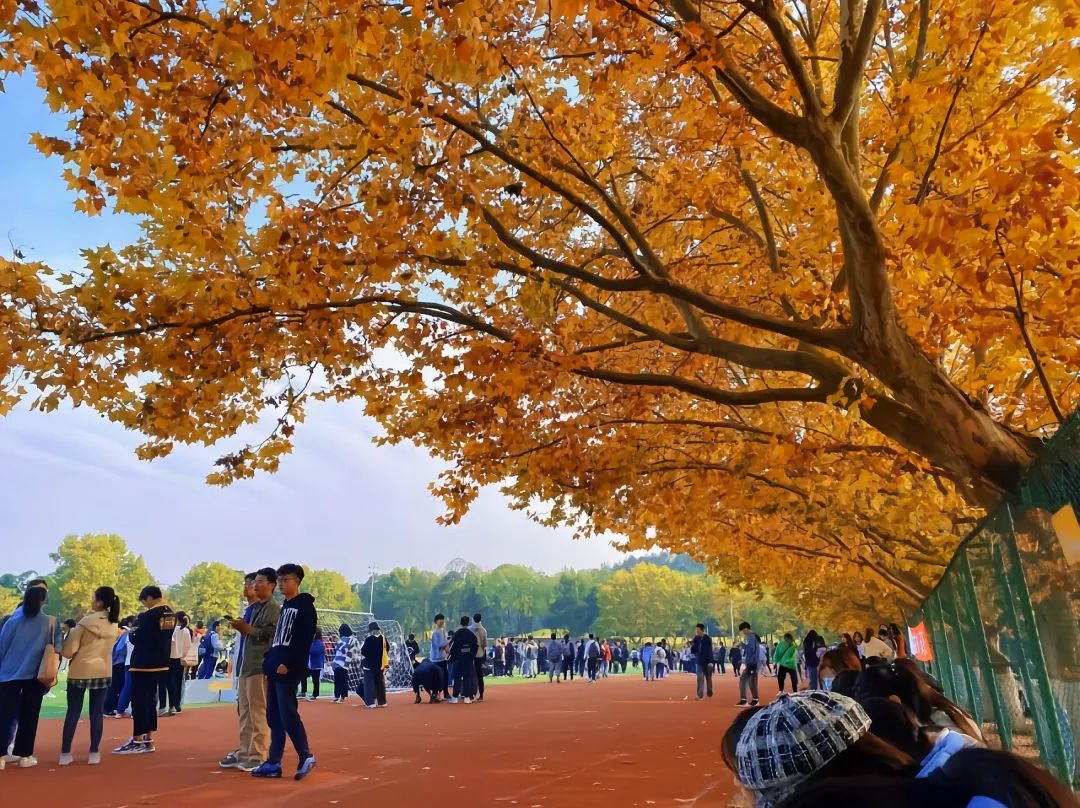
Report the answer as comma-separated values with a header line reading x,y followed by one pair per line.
x,y
151,640
463,647
285,664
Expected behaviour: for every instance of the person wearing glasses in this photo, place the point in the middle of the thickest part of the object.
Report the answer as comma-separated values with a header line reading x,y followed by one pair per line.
x,y
285,665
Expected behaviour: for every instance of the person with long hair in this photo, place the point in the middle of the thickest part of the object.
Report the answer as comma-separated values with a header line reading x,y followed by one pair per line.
x,y
89,647
933,709
899,639
30,644
183,638
837,661
810,658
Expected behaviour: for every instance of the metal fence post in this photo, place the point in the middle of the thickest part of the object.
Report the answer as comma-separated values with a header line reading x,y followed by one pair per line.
x,y
940,640
1018,598
967,591
948,596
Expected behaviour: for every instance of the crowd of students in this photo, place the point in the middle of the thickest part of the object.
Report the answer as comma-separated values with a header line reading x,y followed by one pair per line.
x,y
139,664
870,727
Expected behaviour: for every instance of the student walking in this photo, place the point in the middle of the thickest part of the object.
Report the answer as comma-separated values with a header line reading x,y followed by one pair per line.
x,y
285,664
554,658
702,650
568,659
748,679
30,644
374,660
593,655
89,647
316,662
210,647
256,630
785,655
810,657
736,657
151,645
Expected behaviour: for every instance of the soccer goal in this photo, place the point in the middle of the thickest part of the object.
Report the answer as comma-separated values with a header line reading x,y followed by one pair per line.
x,y
399,677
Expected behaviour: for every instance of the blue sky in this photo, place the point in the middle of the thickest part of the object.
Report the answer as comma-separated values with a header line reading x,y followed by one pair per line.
x,y
338,502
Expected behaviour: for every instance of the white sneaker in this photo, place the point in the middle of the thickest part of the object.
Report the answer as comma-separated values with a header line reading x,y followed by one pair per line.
x,y
27,762
94,759
10,758
468,700
3,764
66,759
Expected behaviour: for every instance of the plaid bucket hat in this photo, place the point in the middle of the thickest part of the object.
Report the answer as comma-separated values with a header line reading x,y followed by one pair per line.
x,y
795,736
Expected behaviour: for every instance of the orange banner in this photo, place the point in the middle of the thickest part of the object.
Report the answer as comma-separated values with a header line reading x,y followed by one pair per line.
x,y
919,641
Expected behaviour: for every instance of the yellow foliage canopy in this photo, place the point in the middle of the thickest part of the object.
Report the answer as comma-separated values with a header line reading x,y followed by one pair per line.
x,y
787,286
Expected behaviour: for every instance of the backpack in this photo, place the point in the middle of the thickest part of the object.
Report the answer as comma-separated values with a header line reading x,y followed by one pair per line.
x,y
592,650
206,645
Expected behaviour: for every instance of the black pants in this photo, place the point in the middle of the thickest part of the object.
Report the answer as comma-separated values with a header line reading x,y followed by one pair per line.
x,y
341,683
788,672
20,701
480,677
75,695
144,692
594,666
112,698
175,681
283,716
374,687
464,671
314,676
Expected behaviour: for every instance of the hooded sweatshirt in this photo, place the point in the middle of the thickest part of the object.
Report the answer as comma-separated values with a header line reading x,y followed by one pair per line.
x,y
292,640
89,647
152,640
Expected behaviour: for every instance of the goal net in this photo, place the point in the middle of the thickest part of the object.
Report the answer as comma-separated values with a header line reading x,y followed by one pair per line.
x,y
398,677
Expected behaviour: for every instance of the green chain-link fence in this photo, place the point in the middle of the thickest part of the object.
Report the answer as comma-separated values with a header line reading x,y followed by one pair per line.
x,y
1002,625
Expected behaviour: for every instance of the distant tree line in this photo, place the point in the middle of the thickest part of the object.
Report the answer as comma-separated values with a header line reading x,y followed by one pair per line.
x,y
651,595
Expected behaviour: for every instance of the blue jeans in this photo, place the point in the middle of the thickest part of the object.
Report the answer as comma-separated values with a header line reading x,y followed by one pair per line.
x,y
206,667
75,696
283,716
124,700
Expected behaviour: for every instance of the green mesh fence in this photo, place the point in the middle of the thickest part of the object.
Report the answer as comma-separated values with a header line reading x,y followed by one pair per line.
x,y
1001,628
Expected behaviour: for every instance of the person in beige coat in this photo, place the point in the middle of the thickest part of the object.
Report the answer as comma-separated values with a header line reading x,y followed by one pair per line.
x,y
89,647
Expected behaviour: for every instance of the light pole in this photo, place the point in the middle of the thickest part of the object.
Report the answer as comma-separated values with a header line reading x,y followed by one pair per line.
x,y
371,598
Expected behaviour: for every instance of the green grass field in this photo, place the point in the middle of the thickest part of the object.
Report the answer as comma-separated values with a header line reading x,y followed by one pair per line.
x,y
55,703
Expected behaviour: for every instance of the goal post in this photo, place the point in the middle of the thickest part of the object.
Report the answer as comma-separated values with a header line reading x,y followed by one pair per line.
x,y
398,677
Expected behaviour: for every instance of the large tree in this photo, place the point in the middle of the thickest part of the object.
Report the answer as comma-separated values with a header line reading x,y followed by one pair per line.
x,y
331,590
83,563
209,591
757,281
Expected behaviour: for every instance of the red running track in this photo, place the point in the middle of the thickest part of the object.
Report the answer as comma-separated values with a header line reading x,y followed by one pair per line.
x,y
619,742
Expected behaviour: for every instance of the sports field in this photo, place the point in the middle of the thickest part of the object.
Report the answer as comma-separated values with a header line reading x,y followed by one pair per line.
x,y
619,742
